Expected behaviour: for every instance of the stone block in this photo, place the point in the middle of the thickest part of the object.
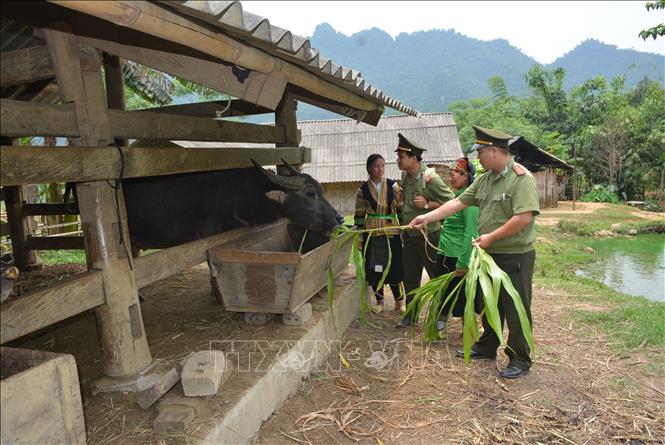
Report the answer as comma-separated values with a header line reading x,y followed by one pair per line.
x,y
203,373
299,317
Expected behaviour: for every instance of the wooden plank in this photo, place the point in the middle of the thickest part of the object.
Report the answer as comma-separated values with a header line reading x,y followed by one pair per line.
x,y
145,125
51,209
29,119
56,242
162,264
312,273
25,66
33,119
210,109
38,165
19,229
255,257
42,308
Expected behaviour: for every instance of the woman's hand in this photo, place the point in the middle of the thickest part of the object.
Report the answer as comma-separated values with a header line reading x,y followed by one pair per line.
x,y
419,201
418,222
460,272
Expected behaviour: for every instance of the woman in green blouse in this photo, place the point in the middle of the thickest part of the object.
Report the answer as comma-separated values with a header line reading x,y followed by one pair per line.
x,y
456,235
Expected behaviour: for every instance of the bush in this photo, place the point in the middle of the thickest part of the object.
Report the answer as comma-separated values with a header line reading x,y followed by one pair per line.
x,y
602,193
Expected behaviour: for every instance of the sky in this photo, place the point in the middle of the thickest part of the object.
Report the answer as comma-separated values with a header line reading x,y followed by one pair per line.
x,y
541,29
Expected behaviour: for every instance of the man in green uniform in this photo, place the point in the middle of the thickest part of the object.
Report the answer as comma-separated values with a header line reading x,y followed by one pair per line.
x,y
507,198
422,191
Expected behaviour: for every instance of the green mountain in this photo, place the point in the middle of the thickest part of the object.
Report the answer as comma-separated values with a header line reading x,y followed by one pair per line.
x,y
428,70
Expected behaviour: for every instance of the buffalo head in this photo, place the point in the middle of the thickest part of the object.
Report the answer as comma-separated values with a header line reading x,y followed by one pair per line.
x,y
302,200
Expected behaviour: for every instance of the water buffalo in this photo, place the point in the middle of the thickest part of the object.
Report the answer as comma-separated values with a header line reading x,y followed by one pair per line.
x,y
168,210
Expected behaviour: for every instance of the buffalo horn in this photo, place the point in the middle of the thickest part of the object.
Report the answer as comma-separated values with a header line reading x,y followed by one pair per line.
x,y
285,182
291,168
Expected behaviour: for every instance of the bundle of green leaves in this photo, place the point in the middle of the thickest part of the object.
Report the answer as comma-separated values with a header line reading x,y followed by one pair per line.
x,y
434,295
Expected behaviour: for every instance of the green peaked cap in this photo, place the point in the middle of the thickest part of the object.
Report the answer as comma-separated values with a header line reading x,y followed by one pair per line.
x,y
408,146
488,136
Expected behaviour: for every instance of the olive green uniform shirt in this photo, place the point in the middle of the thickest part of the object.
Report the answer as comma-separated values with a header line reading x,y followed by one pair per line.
x,y
499,197
428,184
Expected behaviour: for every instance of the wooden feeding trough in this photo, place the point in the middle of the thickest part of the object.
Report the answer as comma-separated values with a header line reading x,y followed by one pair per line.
x,y
264,273
41,401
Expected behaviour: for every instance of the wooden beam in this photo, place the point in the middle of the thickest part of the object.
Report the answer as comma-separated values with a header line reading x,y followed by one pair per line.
x,y
42,308
285,117
147,125
50,209
158,21
33,119
162,264
210,109
30,119
38,165
164,56
368,117
25,66
56,242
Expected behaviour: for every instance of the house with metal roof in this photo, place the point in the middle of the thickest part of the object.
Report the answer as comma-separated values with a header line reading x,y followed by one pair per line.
x,y
340,149
543,165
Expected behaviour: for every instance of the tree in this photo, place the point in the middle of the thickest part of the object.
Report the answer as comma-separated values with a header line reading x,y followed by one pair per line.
x,y
659,29
498,87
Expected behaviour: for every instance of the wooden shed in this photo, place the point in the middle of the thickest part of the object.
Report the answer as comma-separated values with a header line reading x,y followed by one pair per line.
x,y
340,149
543,165
62,76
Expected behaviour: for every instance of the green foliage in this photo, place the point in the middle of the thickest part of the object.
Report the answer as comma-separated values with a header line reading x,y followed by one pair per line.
x,y
632,325
53,257
659,29
602,193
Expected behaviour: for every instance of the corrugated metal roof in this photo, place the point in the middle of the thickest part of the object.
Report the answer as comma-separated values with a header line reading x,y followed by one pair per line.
x,y
529,153
340,147
259,32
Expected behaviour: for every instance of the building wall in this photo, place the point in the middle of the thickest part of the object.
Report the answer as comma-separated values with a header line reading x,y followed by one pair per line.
x,y
342,196
547,187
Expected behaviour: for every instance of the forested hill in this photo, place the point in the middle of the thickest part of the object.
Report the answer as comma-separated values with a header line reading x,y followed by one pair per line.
x,y
429,70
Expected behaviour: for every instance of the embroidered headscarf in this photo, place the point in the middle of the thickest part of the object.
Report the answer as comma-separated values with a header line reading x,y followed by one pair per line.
x,y
463,165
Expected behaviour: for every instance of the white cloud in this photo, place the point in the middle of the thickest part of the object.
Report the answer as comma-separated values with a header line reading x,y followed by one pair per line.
x,y
542,30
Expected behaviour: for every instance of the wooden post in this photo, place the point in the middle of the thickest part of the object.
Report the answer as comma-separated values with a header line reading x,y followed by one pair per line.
x,y
285,116
19,228
574,175
115,87
124,346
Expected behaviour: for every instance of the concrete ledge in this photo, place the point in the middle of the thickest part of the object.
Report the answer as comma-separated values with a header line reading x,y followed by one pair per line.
x,y
286,372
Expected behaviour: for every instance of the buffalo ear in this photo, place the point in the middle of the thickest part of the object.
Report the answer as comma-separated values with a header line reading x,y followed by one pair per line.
x,y
277,196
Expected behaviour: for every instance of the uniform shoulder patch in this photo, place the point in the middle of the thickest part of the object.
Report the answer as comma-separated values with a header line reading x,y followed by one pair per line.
x,y
519,169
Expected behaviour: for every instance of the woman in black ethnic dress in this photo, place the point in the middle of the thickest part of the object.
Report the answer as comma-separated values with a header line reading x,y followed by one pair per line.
x,y
377,206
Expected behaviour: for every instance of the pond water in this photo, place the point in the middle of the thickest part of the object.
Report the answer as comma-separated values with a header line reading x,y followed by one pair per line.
x,y
632,265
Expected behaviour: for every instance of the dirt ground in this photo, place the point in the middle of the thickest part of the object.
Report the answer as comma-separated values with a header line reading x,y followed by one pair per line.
x,y
578,390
